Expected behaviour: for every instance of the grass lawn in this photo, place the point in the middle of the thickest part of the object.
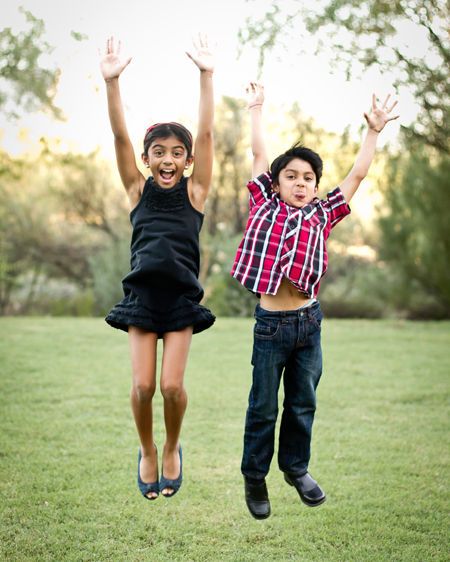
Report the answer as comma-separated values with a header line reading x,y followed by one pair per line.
x,y
68,449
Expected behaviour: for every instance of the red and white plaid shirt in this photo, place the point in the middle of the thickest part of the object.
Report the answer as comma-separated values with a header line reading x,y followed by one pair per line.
x,y
281,240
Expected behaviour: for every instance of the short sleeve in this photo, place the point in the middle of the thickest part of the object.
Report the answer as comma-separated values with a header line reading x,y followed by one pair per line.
x,y
336,206
260,189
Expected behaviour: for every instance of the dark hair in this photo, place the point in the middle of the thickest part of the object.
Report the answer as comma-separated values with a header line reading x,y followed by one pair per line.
x,y
297,151
166,130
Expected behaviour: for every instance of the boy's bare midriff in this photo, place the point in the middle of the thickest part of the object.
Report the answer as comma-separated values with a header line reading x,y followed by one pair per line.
x,y
288,297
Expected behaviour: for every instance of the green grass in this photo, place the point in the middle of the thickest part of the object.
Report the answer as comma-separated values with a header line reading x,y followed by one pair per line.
x,y
68,449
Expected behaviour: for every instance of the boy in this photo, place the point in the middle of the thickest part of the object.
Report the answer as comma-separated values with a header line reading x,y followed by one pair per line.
x,y
282,258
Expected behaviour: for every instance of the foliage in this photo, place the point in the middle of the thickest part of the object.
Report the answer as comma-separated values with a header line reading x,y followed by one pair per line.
x,y
23,77
227,202
374,33
107,268
414,226
57,210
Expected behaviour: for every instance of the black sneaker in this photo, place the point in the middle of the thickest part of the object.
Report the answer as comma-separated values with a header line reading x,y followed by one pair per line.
x,y
309,491
257,498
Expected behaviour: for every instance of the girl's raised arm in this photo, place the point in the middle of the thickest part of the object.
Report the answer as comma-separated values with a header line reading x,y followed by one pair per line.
x,y
255,94
111,66
204,142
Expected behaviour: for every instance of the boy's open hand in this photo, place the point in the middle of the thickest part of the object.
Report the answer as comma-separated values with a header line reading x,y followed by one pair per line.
x,y
202,56
379,116
255,94
111,64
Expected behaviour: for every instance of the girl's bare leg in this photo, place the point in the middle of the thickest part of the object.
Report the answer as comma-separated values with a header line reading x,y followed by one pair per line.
x,y
143,363
176,349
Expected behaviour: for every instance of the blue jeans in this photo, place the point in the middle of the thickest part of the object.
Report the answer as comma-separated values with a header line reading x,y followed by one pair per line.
x,y
289,342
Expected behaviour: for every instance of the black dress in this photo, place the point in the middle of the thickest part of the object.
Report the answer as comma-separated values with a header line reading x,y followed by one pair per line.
x,y
162,291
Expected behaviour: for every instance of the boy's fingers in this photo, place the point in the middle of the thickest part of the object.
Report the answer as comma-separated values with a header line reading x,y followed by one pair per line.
x,y
392,106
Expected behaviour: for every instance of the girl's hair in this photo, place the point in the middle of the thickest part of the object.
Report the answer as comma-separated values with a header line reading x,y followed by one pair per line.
x,y
166,130
301,152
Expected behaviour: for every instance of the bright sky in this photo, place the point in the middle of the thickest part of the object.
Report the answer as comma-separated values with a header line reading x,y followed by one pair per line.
x,y
161,83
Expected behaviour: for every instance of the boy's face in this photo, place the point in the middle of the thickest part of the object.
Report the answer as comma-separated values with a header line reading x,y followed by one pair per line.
x,y
296,183
167,160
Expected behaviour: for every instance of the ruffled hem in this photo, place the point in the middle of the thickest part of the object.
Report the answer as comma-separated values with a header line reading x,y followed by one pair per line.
x,y
193,314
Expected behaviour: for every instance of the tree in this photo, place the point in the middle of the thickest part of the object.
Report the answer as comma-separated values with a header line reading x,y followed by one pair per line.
x,y
227,201
57,212
25,82
367,33
415,228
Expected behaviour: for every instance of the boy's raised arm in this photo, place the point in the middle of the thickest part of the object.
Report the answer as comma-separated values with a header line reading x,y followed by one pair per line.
x,y
376,121
255,101
111,66
204,141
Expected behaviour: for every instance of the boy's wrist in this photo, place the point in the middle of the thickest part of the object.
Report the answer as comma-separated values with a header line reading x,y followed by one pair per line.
x,y
109,80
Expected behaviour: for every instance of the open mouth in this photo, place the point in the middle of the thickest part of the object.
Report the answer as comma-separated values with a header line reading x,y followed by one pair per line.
x,y
167,175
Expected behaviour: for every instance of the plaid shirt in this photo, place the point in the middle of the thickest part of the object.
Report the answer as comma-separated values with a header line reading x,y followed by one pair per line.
x,y
281,240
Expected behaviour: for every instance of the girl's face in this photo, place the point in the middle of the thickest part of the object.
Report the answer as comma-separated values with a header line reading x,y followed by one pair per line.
x,y
296,183
167,160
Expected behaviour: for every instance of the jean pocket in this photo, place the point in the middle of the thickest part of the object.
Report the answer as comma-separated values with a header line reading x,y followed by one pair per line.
x,y
266,329
316,321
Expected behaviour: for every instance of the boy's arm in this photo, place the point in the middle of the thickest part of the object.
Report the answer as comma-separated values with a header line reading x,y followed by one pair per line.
x,y
204,142
255,93
376,122
111,66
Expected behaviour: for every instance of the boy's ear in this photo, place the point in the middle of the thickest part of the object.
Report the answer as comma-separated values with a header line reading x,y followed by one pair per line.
x,y
144,158
188,162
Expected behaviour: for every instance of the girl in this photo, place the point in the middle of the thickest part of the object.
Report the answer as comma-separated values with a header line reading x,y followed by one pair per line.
x,y
282,257
162,292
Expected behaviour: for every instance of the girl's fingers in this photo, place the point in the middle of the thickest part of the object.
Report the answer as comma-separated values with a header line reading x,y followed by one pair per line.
x,y
118,47
374,102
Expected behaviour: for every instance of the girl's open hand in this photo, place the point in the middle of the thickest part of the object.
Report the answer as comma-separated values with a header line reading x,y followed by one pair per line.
x,y
255,94
111,64
379,116
202,56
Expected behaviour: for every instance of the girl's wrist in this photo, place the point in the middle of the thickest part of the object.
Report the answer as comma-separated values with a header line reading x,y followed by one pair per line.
x,y
107,80
255,105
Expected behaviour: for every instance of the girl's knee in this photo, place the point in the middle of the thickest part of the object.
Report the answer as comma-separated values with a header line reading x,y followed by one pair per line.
x,y
172,390
144,392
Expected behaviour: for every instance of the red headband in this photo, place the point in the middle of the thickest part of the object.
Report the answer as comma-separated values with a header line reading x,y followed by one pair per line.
x,y
150,129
